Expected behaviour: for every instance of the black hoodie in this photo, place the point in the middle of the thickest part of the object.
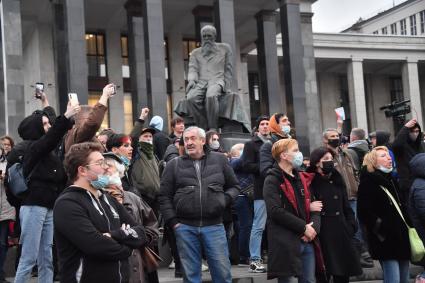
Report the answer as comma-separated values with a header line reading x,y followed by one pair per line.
x,y
49,177
404,150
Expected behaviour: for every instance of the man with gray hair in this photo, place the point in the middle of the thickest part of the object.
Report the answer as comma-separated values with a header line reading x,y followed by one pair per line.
x,y
210,74
358,147
196,188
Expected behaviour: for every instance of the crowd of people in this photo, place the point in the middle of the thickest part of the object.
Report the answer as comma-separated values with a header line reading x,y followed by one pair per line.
x,y
97,200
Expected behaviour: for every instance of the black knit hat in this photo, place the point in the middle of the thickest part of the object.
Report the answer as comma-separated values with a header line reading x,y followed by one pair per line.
x,y
261,118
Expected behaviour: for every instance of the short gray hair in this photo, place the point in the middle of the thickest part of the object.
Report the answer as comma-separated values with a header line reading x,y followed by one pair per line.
x,y
359,133
325,132
201,132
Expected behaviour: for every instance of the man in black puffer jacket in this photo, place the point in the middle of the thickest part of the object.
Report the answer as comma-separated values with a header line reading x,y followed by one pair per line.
x,y
195,190
47,180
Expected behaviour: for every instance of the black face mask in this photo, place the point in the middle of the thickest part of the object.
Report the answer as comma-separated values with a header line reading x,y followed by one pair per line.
x,y
327,167
334,143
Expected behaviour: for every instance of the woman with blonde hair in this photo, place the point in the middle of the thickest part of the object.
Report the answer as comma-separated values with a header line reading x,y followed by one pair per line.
x,y
385,230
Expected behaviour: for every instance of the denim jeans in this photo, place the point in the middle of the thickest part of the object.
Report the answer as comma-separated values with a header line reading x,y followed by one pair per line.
x,y
243,209
358,235
191,241
308,266
258,225
4,231
36,240
395,271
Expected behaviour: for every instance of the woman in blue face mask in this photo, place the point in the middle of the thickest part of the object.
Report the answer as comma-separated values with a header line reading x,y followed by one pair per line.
x,y
338,224
292,225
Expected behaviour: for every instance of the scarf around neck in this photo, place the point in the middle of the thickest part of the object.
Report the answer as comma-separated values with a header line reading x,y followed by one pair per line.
x,y
147,149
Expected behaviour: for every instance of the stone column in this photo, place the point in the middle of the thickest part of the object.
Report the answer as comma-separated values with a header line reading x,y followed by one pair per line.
x,y
136,49
12,103
114,61
243,83
175,43
294,75
155,59
271,97
314,121
411,89
224,19
356,94
70,48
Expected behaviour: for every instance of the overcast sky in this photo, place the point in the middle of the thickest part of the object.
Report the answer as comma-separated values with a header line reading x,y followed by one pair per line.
x,y
337,15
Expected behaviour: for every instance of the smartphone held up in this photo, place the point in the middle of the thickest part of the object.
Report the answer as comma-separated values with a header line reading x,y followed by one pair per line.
x,y
73,99
39,89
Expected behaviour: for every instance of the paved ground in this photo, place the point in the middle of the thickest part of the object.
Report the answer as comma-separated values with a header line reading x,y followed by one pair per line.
x,y
241,275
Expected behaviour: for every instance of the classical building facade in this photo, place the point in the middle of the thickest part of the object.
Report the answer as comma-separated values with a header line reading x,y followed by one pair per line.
x,y
143,46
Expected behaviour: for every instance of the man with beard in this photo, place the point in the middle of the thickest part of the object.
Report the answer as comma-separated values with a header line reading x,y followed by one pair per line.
x,y
210,74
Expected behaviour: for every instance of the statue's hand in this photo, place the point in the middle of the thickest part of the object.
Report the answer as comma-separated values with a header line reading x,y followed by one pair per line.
x,y
190,85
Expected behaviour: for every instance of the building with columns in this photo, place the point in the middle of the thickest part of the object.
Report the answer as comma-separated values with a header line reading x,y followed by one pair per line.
x,y
143,46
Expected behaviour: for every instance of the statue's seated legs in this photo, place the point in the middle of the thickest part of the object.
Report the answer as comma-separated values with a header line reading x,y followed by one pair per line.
x,y
203,105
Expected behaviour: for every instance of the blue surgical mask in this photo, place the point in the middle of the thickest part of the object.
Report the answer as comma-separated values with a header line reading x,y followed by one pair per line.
x,y
385,169
101,182
286,129
297,161
125,160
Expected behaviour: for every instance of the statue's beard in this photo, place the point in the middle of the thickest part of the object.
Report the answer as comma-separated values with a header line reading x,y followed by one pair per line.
x,y
208,47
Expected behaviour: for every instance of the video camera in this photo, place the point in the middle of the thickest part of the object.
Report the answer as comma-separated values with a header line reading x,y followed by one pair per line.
x,y
397,110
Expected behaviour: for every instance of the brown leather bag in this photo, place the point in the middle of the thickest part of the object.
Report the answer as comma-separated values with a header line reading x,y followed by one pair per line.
x,y
150,259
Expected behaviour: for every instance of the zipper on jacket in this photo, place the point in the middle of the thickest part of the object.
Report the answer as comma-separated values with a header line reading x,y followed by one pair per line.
x,y
197,164
119,270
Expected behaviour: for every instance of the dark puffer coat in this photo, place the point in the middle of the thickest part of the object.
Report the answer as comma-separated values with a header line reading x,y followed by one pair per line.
x,y
284,227
385,231
417,194
194,201
337,227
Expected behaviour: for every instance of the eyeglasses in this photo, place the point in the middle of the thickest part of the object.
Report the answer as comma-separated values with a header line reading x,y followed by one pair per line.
x,y
102,163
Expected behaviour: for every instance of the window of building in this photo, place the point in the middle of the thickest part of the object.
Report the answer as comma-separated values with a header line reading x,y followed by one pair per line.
x,y
403,29
375,32
422,13
96,55
413,30
394,28
188,46
124,55
384,30
128,112
93,99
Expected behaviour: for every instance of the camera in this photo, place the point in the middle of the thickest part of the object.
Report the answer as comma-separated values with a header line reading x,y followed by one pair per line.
x,y
397,109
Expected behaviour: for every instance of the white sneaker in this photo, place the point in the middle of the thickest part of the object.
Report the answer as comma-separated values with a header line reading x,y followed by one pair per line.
x,y
205,268
256,266
172,265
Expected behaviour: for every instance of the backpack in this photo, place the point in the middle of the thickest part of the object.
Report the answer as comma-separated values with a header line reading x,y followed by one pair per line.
x,y
17,183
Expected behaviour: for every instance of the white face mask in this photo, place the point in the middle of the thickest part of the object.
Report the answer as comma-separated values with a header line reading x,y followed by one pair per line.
x,y
149,142
385,169
115,179
215,145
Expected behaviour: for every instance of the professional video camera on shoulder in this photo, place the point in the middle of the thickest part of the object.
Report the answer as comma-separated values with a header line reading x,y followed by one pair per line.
x,y
397,110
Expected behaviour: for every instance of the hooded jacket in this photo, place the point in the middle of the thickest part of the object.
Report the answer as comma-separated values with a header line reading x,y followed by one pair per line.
x,y
80,221
417,194
48,178
160,140
357,150
404,150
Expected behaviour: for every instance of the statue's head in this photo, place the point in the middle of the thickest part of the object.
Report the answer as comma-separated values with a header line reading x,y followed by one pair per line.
x,y
208,34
